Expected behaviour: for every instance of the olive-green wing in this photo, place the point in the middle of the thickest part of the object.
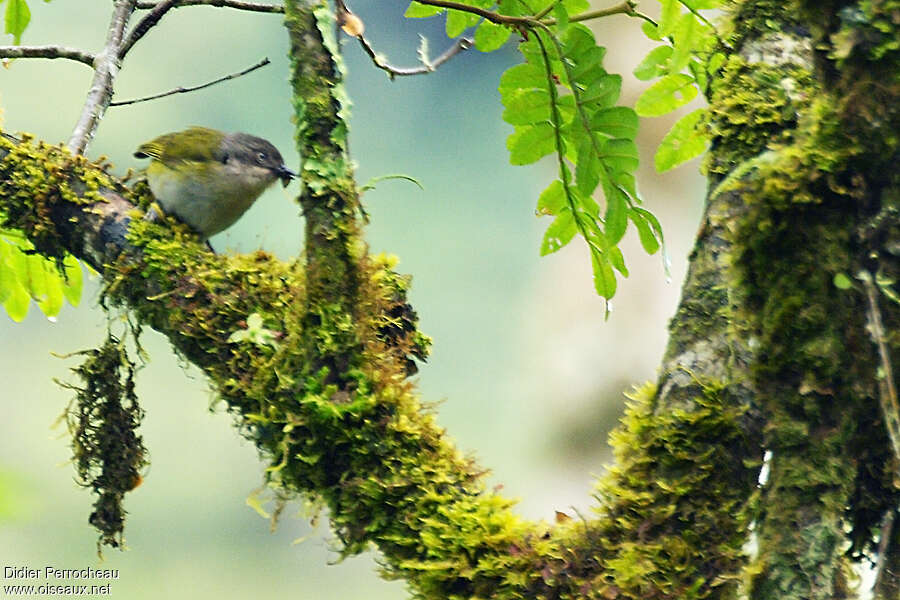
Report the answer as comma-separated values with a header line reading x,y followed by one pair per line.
x,y
191,145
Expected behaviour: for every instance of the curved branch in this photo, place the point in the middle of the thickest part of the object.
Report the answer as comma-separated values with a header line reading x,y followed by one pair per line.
x,y
493,17
185,90
51,52
145,24
459,45
236,4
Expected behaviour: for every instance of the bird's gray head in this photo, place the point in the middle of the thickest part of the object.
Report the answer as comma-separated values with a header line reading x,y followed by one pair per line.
x,y
248,150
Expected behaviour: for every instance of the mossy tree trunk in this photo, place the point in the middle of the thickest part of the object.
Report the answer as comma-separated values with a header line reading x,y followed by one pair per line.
x,y
767,356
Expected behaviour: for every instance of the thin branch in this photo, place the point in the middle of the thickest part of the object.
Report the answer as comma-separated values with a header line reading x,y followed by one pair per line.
x,y
887,390
237,4
184,90
106,68
460,45
493,17
543,13
47,52
145,24
625,8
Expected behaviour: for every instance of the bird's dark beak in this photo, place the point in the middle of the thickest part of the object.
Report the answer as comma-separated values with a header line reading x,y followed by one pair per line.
x,y
285,175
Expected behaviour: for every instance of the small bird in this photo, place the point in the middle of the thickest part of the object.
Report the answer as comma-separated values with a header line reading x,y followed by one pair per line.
x,y
207,178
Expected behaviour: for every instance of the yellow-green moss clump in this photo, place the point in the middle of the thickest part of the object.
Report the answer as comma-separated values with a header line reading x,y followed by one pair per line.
x,y
673,515
36,180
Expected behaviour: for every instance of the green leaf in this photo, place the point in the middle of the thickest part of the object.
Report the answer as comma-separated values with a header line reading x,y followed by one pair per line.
x,y
490,36
576,6
715,61
525,75
458,21
627,183
650,219
604,277
616,219
17,304
529,143
17,19
687,35
552,200
620,155
418,11
587,167
604,92
667,94
645,233
8,281
559,233
842,282
562,19
654,64
616,122
618,260
702,4
588,63
36,276
527,107
651,31
683,142
52,301
668,18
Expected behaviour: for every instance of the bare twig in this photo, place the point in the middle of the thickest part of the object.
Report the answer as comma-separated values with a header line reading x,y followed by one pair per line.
x,y
459,45
887,388
106,68
145,24
184,90
47,52
237,4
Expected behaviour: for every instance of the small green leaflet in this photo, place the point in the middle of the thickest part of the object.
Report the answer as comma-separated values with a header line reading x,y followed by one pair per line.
x,y
683,142
683,65
16,19
667,94
654,64
490,36
26,277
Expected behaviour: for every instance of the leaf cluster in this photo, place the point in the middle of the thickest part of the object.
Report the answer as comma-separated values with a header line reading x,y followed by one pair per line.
x,y
561,101
27,276
682,64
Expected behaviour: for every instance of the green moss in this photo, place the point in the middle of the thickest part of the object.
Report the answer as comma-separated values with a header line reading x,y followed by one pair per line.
x,y
754,108
753,20
103,420
673,506
35,180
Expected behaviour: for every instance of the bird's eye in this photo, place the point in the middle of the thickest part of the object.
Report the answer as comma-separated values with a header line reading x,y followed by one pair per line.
x,y
261,157
224,159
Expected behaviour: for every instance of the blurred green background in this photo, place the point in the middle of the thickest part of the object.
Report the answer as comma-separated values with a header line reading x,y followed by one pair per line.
x,y
530,375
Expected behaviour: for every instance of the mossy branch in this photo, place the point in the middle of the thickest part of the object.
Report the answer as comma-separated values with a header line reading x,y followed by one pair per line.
x,y
330,405
756,359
